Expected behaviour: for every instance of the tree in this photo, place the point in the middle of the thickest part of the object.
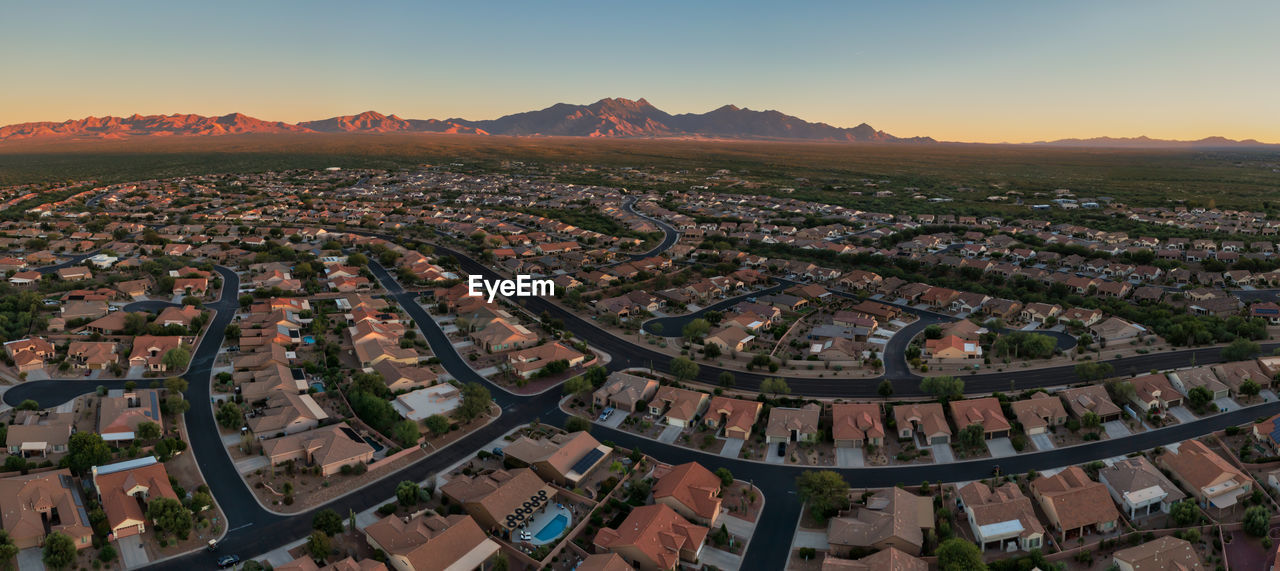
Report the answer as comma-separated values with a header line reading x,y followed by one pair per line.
x,y
1257,520
885,389
148,430
971,436
319,545
175,385
1240,350
684,369
696,329
169,516
943,387
86,450
199,502
1184,513
175,405
775,386
577,424
957,554
933,332
1199,398
1250,389
1091,371
230,415
726,477
578,385
29,404
407,493
475,401
711,350
825,491
8,550
59,550
500,562
1090,420
726,379
437,423
328,521
406,432
176,358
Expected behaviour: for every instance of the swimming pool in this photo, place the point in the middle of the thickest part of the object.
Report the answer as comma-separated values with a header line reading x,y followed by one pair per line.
x,y
308,340
318,386
553,529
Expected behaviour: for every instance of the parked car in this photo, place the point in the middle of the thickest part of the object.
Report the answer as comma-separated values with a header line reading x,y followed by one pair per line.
x,y
782,449
228,561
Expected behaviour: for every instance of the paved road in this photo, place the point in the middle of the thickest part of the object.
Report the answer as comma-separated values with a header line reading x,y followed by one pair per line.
x,y
72,261
670,234
156,305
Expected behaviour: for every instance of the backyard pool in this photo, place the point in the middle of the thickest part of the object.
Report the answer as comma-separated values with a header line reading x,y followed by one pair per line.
x,y
309,340
319,387
553,523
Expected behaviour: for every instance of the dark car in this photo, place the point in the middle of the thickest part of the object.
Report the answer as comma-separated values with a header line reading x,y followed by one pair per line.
x,y
228,561
782,449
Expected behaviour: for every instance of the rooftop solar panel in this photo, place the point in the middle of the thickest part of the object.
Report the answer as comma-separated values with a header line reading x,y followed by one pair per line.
x,y
586,462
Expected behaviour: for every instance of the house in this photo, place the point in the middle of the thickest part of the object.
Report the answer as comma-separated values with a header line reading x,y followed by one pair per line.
x,y
499,500
373,350
92,355
793,424
286,412
181,316
306,563
1187,379
692,491
527,363
1267,310
29,354
856,425
625,391
1265,432
1235,374
120,413
1039,412
75,274
1212,480
564,458
1115,330
951,348
136,289
149,351
1090,399
39,433
84,309
502,335
25,279
1041,312
734,416
1154,393
41,503
678,407
400,377
730,338
1001,518
1075,504
926,419
1160,554
654,537
1086,317
984,412
125,487
891,559
891,518
430,542
1139,488
330,447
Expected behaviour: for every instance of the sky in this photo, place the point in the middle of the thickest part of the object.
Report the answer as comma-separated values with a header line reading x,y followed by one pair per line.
x,y
957,71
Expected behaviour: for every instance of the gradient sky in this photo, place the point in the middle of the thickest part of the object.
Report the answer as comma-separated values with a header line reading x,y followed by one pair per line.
x,y
968,71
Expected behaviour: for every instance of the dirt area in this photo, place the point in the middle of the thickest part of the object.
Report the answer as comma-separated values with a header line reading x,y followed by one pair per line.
x,y
797,563
291,488
207,525
346,544
906,452
742,500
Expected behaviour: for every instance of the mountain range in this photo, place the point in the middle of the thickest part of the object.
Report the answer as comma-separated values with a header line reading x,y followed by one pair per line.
x,y
607,118
613,118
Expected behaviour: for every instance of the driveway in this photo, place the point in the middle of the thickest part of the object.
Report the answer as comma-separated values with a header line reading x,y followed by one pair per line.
x,y
850,457
942,453
1226,404
252,463
771,454
720,559
136,372
1042,441
1182,414
30,559
615,419
132,553
1001,448
738,526
814,539
669,434
732,447
1116,429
